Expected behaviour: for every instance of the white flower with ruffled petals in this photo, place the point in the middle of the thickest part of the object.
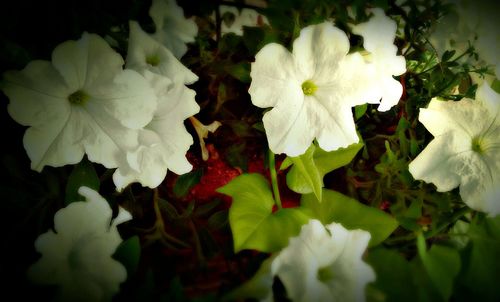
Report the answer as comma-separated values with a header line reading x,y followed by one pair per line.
x,y
165,140
324,264
82,102
172,28
312,90
77,257
378,38
464,151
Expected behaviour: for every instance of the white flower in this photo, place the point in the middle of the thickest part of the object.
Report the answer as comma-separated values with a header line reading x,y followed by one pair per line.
x,y
165,140
82,102
378,38
312,90
77,256
464,151
172,28
238,18
324,264
474,22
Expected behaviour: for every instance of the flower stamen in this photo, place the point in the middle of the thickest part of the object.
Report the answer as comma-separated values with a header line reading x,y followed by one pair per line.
x,y
78,97
309,88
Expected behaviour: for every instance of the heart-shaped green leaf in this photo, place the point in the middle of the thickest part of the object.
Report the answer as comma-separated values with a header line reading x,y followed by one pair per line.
x,y
251,217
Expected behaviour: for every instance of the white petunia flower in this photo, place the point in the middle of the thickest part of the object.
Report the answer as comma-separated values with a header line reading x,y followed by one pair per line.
x,y
165,140
473,22
77,257
464,151
172,28
378,38
236,19
324,264
82,102
312,90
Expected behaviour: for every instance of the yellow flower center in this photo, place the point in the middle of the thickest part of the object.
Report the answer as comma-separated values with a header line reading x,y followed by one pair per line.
x,y
153,60
78,97
478,145
309,88
325,274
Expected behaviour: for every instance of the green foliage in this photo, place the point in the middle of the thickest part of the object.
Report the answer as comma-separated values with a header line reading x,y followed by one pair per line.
x,y
186,181
129,254
251,216
339,208
83,174
308,170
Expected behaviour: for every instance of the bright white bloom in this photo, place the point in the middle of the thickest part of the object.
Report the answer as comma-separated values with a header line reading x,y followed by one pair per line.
x,y
378,38
464,151
77,256
165,140
312,90
82,102
237,18
172,28
324,264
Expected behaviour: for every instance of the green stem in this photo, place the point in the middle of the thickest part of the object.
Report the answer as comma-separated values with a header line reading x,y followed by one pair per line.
x,y
274,179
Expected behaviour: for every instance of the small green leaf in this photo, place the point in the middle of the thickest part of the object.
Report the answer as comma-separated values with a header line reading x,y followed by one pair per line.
x,y
359,111
251,217
316,163
129,254
187,181
83,174
240,71
442,263
305,177
352,214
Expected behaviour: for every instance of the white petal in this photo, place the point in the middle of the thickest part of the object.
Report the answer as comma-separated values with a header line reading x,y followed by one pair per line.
x,y
142,46
379,30
272,69
37,93
86,62
319,49
172,28
288,124
489,98
392,91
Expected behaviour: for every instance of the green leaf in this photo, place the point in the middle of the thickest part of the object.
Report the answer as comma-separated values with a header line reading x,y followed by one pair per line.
x,y
83,174
240,71
306,176
251,217
394,275
258,287
478,280
187,181
129,254
442,263
352,214
359,111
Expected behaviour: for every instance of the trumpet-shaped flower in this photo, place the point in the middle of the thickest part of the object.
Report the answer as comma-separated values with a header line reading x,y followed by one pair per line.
x,y
165,140
233,19
312,90
81,102
378,38
172,28
77,256
464,151
324,264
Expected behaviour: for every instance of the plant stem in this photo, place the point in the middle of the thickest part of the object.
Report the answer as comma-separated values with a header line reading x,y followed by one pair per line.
x,y
274,179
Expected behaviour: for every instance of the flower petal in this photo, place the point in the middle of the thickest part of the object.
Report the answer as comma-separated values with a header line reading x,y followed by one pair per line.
x,y
272,69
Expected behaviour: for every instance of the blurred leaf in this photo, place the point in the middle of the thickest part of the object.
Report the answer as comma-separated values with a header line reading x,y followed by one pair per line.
x,y
258,287
251,216
359,111
394,275
83,174
349,212
129,254
218,220
187,181
240,71
442,263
